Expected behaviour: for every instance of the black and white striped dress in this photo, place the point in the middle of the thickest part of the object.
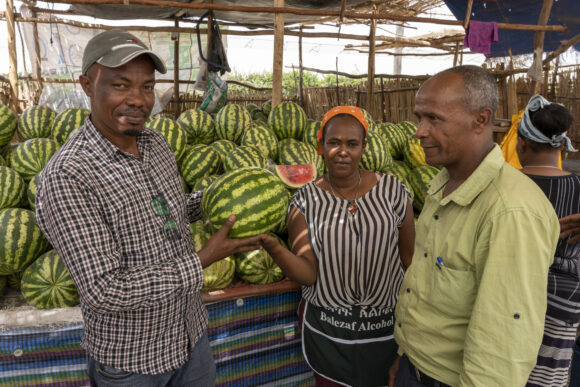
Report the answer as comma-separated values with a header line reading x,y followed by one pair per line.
x,y
563,314
347,315
358,256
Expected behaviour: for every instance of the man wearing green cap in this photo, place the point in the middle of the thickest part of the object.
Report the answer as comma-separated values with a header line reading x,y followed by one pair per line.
x,y
112,205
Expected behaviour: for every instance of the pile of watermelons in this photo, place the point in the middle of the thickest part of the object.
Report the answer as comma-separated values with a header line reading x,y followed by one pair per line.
x,y
247,159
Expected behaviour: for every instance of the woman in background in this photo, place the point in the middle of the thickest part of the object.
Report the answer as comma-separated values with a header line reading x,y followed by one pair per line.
x,y
541,138
352,235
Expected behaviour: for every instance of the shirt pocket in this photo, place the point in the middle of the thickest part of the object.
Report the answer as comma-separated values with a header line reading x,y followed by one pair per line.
x,y
454,291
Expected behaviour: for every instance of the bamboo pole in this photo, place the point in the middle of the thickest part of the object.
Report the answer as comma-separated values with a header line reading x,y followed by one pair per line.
x,y
309,12
300,68
539,40
371,66
13,64
278,54
176,64
359,76
37,61
563,47
467,14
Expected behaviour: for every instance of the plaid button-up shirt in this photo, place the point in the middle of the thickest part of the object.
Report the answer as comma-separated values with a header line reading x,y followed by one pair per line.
x,y
138,285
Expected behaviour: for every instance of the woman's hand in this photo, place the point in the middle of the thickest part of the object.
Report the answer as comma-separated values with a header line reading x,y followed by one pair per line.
x,y
570,225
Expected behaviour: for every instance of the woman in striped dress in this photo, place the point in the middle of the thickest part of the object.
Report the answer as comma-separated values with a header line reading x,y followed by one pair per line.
x,y
541,137
352,235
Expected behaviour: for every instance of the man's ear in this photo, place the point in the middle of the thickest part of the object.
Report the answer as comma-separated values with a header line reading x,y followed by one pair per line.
x,y
483,119
86,84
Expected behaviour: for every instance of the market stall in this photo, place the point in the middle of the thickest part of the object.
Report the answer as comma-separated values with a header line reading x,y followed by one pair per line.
x,y
253,331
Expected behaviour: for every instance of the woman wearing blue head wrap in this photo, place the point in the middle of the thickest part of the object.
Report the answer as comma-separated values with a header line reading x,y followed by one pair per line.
x,y
541,137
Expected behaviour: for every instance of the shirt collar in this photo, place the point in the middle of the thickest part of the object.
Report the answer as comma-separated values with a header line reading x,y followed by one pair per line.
x,y
105,146
479,179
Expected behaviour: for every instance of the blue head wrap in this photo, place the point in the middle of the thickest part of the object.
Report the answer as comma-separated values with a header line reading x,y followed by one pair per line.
x,y
528,130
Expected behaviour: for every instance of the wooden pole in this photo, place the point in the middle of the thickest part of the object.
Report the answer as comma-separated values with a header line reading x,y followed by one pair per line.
x,y
467,14
383,108
371,67
337,88
456,54
301,69
278,54
176,67
13,64
563,47
37,60
539,41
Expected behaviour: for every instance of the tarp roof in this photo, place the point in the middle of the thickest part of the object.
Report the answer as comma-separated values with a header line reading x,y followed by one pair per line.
x,y
113,11
564,12
134,11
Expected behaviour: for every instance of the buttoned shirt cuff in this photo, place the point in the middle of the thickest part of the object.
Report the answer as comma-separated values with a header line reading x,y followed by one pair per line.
x,y
191,272
194,206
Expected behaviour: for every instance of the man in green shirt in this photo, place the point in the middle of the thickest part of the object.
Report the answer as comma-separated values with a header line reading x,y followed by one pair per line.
x,y
472,304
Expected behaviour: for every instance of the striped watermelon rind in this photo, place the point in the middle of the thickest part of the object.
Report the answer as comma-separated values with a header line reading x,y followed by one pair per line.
x,y
199,161
376,155
8,124
12,188
31,190
244,156
413,153
296,152
310,131
257,198
263,139
408,128
223,147
199,126
218,275
203,183
419,180
258,267
231,122
21,240
287,120
66,122
47,283
394,137
35,122
31,156
172,132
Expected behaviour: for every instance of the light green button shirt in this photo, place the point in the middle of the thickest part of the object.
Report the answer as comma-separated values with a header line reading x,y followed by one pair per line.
x,y
478,319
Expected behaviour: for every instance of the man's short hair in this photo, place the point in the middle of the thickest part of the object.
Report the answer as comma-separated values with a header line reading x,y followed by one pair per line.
x,y
480,87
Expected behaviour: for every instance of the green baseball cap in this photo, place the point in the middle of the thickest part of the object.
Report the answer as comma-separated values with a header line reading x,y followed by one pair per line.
x,y
114,48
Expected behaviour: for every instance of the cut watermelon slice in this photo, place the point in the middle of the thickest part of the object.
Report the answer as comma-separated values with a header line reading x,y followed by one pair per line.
x,y
296,175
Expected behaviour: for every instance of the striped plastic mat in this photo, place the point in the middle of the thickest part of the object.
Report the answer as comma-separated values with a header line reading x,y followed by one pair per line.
x,y
255,342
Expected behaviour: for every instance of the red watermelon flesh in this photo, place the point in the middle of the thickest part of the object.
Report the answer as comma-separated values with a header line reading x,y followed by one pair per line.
x,y
296,175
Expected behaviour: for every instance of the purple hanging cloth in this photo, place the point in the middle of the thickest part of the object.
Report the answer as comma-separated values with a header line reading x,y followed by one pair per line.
x,y
480,35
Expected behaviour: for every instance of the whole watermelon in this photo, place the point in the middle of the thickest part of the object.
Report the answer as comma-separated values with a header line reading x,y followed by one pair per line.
x,y
205,182
232,121
257,198
8,124
287,120
394,137
66,122
199,126
31,156
21,240
12,188
35,122
47,283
